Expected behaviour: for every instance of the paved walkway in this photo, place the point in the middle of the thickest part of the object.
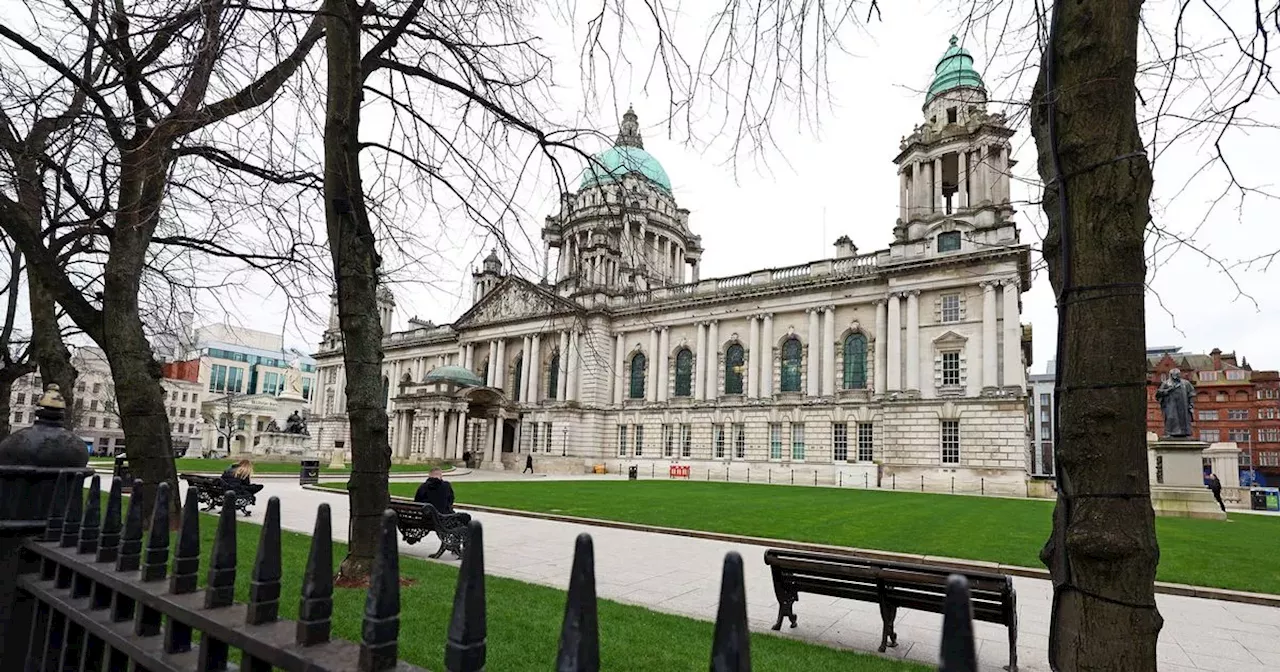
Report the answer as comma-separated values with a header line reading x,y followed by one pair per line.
x,y
681,575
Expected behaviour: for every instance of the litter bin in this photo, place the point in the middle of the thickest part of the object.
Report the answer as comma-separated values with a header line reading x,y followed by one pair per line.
x,y
1265,499
1257,499
632,471
121,472
309,472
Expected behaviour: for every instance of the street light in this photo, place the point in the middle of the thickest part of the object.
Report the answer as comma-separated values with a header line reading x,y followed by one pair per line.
x,y
564,447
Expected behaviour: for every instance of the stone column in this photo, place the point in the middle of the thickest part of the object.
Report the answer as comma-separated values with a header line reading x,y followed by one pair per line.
x,y
500,371
695,272
575,367
939,205
766,357
913,340
700,364
990,379
713,360
619,366
439,427
983,174
903,201
829,351
1013,371
812,365
526,363
535,368
664,348
459,433
881,346
893,363
962,181
651,385
490,376
917,179
562,384
498,427
753,357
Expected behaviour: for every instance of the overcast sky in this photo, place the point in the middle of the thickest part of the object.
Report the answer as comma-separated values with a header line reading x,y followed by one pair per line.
x,y
835,177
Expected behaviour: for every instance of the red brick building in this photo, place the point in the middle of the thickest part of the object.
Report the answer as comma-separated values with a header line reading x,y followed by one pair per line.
x,y
1234,403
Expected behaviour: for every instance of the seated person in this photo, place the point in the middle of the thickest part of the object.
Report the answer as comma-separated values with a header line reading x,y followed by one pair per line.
x,y
237,476
439,494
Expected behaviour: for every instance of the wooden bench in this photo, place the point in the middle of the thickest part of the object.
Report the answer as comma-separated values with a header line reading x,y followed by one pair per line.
x,y
892,585
211,489
417,520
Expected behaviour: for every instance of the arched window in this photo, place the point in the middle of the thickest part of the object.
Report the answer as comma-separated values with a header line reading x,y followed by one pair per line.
x,y
855,362
791,355
519,375
553,376
638,363
734,359
684,373
386,390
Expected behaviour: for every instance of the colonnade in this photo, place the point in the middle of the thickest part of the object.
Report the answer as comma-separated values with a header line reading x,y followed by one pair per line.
x,y
981,176
662,256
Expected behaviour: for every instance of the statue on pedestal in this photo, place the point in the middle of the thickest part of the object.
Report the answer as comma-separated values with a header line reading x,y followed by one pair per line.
x,y
295,425
1177,398
293,379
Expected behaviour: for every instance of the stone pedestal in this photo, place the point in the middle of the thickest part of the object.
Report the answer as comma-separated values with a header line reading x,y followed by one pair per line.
x,y
281,444
1177,485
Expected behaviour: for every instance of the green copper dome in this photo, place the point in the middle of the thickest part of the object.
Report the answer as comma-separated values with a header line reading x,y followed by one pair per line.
x,y
627,155
453,374
954,70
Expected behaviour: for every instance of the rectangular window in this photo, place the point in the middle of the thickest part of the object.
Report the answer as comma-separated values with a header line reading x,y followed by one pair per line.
x,y
533,445
866,442
217,378
1269,435
797,441
950,307
17,417
951,368
686,441
1207,415
546,439
184,396
93,421
951,442
949,241
1237,374
1044,400
1237,414
21,400
235,379
182,412
622,440
1046,432
1210,435
1206,376
739,441
717,433
840,442
775,440
639,440
668,441
97,388
93,405
1238,435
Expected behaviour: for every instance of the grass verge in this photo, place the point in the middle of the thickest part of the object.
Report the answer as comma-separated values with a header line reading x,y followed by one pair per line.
x,y
1009,531
524,620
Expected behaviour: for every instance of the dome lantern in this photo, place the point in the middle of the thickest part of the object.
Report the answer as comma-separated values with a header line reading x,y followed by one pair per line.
x,y
954,70
626,156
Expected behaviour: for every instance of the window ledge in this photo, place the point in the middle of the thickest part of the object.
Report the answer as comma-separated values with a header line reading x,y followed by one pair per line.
x,y
951,391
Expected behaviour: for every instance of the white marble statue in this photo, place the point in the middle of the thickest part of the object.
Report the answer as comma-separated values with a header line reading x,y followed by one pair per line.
x,y
293,378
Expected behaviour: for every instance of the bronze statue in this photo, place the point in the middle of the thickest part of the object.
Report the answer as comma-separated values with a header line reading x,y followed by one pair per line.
x,y
1177,398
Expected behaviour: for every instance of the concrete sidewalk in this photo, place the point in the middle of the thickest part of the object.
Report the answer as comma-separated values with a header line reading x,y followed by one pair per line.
x,y
681,575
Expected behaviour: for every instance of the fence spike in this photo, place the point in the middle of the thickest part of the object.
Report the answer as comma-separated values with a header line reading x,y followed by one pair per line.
x,y
155,559
75,512
381,628
465,649
91,522
57,507
109,537
580,633
220,588
731,647
264,589
186,558
130,554
316,606
957,652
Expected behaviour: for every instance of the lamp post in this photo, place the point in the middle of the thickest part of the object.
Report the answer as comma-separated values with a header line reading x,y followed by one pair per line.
x,y
564,446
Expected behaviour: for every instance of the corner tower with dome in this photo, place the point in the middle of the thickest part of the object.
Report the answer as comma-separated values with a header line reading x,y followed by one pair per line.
x,y
901,365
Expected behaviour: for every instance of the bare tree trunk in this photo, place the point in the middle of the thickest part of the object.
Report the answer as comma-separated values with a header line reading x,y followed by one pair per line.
x,y
1103,552
48,350
355,269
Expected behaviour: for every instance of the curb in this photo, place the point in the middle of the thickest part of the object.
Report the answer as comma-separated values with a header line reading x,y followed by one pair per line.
x,y
1162,587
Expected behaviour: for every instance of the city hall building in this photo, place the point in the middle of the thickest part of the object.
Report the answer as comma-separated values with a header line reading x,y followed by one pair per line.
x,y
905,364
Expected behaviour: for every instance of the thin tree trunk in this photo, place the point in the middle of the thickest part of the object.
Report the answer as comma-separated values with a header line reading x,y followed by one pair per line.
x,y
1103,552
6,410
48,350
355,269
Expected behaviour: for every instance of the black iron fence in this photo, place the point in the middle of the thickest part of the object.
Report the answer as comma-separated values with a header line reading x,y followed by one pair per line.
x,y
93,596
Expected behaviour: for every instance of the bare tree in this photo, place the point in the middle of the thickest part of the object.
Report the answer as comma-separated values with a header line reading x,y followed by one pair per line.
x,y
15,361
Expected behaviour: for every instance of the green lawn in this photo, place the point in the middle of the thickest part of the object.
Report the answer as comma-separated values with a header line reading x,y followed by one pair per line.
x,y
524,620
1198,552
201,465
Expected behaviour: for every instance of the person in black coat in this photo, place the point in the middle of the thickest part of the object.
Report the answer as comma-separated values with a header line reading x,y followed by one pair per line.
x,y
439,494
528,463
236,477
1215,486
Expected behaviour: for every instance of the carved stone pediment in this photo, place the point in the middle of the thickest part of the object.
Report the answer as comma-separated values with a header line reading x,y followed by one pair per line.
x,y
950,338
514,299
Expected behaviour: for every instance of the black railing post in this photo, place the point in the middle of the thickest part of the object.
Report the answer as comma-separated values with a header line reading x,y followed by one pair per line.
x,y
957,652
316,606
731,646
186,564
466,648
90,525
580,633
264,588
381,629
147,621
220,586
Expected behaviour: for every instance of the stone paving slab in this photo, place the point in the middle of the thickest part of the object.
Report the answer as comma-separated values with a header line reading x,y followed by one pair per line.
x,y
681,575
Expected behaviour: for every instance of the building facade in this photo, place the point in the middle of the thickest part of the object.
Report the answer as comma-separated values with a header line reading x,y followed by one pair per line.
x,y
907,362
1234,404
1041,393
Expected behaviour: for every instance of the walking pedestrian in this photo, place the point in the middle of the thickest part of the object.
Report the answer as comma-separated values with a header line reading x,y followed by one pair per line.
x,y
528,463
1215,486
